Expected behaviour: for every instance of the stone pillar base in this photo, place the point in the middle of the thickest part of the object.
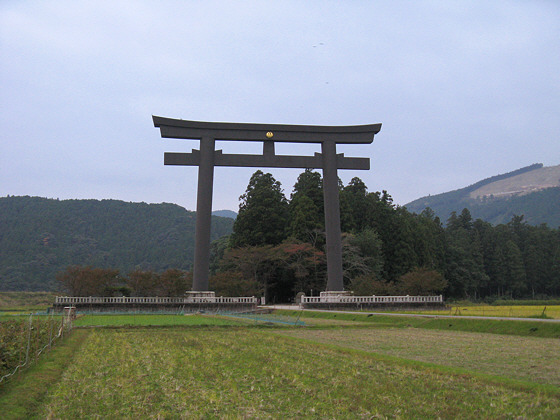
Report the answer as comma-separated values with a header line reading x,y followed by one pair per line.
x,y
333,296
197,297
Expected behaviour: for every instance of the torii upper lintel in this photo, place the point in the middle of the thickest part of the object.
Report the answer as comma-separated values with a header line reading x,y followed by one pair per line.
x,y
196,130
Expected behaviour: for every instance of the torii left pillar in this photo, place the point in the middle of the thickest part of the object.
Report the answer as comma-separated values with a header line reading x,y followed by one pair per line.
x,y
201,267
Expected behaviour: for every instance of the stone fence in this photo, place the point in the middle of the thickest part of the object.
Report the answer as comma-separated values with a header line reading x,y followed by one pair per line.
x,y
154,303
334,300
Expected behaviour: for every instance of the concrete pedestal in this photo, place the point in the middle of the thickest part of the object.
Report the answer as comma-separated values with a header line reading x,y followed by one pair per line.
x,y
199,297
333,296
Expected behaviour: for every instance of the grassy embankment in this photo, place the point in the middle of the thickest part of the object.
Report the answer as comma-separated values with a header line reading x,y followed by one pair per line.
x,y
25,302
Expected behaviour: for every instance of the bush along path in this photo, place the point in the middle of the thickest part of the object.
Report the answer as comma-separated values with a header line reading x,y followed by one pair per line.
x,y
24,394
24,338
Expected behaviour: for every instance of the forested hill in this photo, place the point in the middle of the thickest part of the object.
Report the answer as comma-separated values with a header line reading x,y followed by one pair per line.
x,y
40,237
533,191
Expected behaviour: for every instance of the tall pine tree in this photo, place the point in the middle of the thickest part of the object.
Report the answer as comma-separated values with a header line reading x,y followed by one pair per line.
x,y
307,207
263,213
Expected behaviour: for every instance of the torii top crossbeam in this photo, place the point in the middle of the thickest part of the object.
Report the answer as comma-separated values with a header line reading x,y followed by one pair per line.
x,y
195,130
268,134
207,158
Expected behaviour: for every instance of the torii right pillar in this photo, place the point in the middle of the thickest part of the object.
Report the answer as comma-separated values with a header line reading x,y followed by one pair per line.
x,y
332,217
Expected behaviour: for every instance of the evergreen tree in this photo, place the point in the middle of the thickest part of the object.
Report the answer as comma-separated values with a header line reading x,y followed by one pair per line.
x,y
354,200
263,213
552,286
310,184
515,269
464,262
535,267
304,223
370,247
398,244
429,240
307,207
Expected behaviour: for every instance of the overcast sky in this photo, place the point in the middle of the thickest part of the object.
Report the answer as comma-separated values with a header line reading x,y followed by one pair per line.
x,y
465,90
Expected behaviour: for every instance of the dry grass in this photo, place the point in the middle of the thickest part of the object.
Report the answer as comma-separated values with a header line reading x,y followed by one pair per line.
x,y
512,311
26,301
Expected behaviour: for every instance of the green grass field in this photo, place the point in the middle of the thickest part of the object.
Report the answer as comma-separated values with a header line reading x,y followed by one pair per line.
x,y
151,320
158,366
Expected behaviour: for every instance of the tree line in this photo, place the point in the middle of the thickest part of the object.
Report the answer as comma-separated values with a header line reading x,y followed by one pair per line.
x,y
280,242
277,249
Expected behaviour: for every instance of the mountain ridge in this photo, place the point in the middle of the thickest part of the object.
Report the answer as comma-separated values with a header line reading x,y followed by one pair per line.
x,y
225,213
532,191
41,236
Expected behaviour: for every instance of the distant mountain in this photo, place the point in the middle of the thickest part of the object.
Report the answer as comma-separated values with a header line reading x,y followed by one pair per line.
x,y
40,237
533,191
225,213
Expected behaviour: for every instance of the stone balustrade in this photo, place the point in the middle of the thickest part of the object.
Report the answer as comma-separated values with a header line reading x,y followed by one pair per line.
x,y
371,299
99,300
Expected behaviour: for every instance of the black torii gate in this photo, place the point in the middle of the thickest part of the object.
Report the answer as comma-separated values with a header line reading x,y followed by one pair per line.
x,y
207,158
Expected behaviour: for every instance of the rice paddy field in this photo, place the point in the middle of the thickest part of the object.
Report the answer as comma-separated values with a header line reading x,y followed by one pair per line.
x,y
328,366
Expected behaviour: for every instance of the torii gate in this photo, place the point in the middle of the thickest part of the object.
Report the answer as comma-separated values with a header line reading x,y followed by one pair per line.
x,y
207,158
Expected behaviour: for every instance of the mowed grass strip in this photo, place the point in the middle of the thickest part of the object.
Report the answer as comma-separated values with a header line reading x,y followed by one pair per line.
x,y
151,320
245,373
523,358
527,328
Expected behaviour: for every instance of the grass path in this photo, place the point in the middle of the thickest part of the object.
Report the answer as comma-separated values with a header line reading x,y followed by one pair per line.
x,y
24,395
246,373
